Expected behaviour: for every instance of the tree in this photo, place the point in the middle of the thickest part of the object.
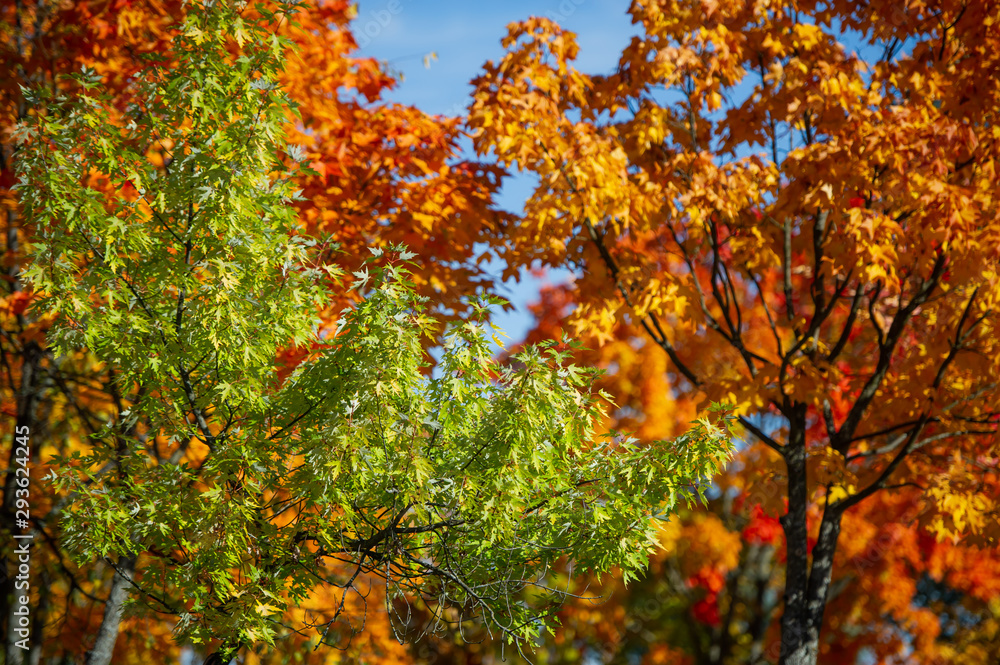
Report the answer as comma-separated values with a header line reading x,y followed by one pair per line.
x,y
384,174
809,233
166,245
59,401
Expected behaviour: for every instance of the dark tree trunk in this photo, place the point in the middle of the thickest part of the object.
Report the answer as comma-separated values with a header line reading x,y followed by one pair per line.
x,y
798,646
41,618
806,586
27,398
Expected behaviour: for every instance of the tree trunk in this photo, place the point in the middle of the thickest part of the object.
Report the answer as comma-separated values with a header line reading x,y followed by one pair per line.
x,y
806,587
27,397
14,654
41,618
806,641
798,645
107,635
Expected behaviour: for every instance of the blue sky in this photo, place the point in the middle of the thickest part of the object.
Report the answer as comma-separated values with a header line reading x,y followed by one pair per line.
x,y
465,35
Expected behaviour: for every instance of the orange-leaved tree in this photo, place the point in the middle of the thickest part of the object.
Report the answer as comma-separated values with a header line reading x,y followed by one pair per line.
x,y
758,214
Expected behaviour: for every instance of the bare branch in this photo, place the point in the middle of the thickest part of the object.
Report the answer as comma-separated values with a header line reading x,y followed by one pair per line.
x,y
756,431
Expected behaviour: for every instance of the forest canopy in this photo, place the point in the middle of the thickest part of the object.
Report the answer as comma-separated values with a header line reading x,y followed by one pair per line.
x,y
246,321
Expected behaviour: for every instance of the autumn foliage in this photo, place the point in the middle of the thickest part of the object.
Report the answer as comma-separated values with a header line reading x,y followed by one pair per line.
x,y
794,203
789,206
